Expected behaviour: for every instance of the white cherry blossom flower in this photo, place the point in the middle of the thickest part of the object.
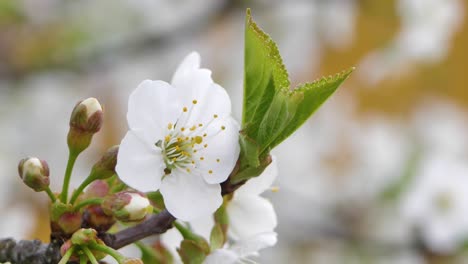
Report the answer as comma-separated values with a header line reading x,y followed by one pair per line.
x,y
182,140
240,250
252,220
248,212
437,203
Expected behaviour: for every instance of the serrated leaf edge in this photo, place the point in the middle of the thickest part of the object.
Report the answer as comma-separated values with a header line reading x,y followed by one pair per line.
x,y
325,80
281,77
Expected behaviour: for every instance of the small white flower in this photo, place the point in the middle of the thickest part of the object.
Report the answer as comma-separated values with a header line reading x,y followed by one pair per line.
x,y
249,213
239,251
252,220
182,140
437,203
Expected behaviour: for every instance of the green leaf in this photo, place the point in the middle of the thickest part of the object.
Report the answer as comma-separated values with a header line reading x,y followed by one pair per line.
x,y
191,253
217,237
271,111
250,151
156,200
157,254
309,97
264,74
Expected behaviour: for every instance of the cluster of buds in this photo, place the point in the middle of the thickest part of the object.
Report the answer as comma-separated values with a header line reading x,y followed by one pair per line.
x,y
93,215
86,120
127,206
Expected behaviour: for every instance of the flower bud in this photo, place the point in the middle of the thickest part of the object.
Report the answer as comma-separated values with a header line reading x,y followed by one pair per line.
x,y
65,247
87,116
105,167
96,189
127,206
86,119
34,173
70,222
84,236
95,217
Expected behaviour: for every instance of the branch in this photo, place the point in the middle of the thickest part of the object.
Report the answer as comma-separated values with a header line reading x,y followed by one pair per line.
x,y
156,224
29,251
36,252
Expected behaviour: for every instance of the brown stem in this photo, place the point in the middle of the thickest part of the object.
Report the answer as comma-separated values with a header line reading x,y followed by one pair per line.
x,y
156,224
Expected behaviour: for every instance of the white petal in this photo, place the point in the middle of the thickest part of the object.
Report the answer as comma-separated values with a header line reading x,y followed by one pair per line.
x,y
250,215
221,256
261,183
222,151
194,83
138,164
253,244
151,107
190,81
190,63
188,196
203,225
211,100
171,240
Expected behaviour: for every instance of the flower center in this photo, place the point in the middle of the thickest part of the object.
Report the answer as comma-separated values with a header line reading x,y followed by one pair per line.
x,y
178,149
180,145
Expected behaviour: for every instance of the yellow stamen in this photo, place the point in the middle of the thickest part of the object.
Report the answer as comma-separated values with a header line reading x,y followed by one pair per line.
x,y
198,139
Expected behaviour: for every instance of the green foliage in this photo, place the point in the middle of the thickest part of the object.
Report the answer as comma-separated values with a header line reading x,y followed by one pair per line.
x,y
191,253
156,199
157,254
217,237
271,110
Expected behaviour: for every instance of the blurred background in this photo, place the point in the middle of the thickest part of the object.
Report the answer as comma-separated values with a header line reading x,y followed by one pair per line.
x,y
378,175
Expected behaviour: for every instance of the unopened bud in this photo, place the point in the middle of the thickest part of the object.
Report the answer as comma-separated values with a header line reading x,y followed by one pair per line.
x,y
127,206
84,236
34,173
96,189
69,222
105,167
65,247
87,116
95,217
86,120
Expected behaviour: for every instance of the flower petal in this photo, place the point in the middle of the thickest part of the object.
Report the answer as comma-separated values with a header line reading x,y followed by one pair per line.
x,y
138,164
257,185
190,81
203,225
194,84
151,107
217,160
188,196
250,215
253,244
221,256
189,64
212,100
